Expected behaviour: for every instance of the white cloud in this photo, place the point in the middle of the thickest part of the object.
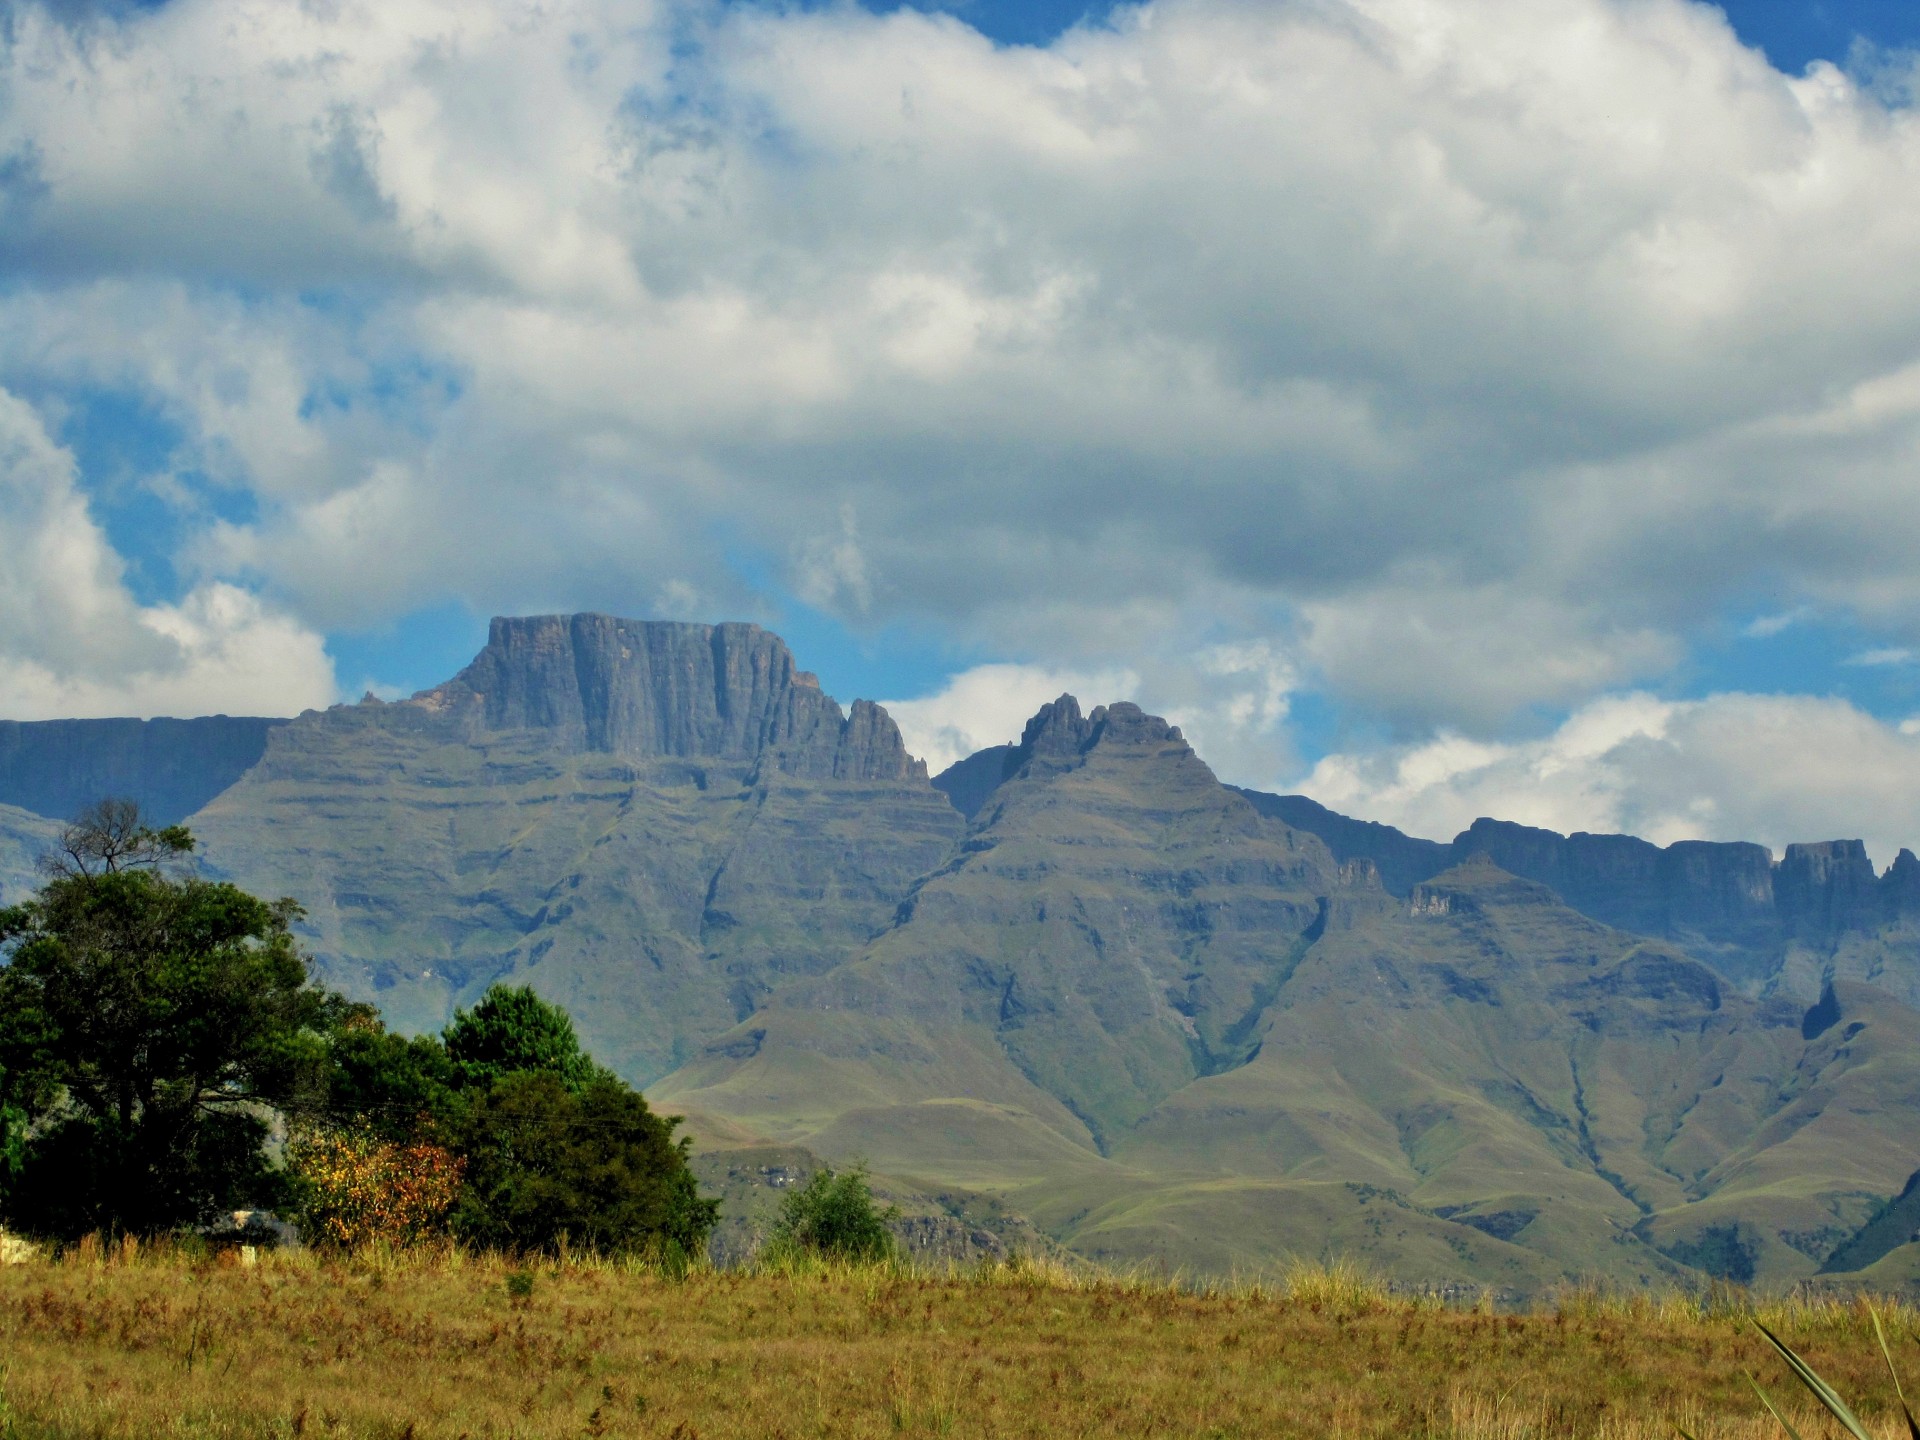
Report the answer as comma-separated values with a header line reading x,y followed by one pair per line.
x,y
1886,655
1765,627
73,642
1469,356
991,704
1771,768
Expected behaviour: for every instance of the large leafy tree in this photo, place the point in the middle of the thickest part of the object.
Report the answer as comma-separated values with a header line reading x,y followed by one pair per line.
x,y
148,1019
591,1165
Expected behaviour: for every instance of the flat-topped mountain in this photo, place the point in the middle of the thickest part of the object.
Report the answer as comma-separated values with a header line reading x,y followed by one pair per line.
x,y
1166,1019
656,823
55,768
651,688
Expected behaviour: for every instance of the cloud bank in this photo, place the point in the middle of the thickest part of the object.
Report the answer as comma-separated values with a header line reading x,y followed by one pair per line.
x,y
1454,362
74,643
1733,767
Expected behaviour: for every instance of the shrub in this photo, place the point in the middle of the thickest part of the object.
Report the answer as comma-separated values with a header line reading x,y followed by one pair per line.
x,y
834,1216
356,1187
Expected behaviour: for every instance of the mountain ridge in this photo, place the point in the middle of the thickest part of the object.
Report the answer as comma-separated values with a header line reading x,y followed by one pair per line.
x,y
1817,911
1080,978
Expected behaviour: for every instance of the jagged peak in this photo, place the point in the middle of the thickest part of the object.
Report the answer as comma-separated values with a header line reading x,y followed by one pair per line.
x,y
1059,735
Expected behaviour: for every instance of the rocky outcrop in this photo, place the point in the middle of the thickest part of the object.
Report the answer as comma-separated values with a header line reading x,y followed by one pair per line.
x,y
645,688
1823,890
56,768
1056,739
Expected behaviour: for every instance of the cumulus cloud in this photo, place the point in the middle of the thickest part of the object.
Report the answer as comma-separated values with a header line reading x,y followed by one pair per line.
x,y
74,643
991,704
1771,768
1458,359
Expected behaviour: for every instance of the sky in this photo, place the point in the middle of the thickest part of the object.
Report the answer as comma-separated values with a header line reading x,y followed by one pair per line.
x,y
1440,407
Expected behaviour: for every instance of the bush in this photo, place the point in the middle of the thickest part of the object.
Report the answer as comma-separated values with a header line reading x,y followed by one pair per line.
x,y
833,1216
355,1187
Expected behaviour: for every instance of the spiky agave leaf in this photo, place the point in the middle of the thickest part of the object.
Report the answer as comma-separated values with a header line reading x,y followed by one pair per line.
x,y
1913,1428
1822,1391
1784,1425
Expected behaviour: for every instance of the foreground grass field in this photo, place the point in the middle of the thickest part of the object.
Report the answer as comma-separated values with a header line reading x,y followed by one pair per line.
x,y
150,1345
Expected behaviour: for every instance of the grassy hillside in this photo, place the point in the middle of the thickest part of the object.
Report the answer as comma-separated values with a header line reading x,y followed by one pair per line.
x,y
432,1347
1171,1032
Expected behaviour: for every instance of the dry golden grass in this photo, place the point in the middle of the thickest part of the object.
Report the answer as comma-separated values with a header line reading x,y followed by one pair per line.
x,y
145,1344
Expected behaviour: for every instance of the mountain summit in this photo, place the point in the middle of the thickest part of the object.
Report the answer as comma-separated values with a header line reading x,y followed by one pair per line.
x,y
647,688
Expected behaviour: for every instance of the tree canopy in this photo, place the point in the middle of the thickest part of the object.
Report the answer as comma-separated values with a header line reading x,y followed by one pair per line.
x,y
153,1023
593,1167
512,1030
148,1019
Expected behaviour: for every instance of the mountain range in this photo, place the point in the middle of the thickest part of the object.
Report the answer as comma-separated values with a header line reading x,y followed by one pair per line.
x,y
1075,982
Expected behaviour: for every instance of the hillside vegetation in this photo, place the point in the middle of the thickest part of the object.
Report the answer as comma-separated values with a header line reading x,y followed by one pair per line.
x,y
137,1343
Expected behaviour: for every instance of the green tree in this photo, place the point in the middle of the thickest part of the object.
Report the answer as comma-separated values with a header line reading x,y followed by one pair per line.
x,y
591,1163
13,1141
147,1019
834,1215
512,1030
401,1087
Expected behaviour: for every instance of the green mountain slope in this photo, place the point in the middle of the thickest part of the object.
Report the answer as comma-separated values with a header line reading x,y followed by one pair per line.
x,y
24,838
1170,1029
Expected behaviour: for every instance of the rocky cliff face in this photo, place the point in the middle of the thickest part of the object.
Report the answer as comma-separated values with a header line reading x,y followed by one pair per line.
x,y
644,688
56,768
1820,911
655,824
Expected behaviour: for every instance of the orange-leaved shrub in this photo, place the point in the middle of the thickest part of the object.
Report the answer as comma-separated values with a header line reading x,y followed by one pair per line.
x,y
357,1187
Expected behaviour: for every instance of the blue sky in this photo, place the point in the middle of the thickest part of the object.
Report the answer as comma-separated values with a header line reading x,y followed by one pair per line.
x,y
1445,409
1792,32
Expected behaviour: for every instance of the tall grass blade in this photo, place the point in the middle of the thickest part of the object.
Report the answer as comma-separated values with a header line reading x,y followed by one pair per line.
x,y
1770,1410
1913,1429
1822,1391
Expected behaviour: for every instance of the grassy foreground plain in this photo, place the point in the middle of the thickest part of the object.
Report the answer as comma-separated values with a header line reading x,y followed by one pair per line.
x,y
156,1344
